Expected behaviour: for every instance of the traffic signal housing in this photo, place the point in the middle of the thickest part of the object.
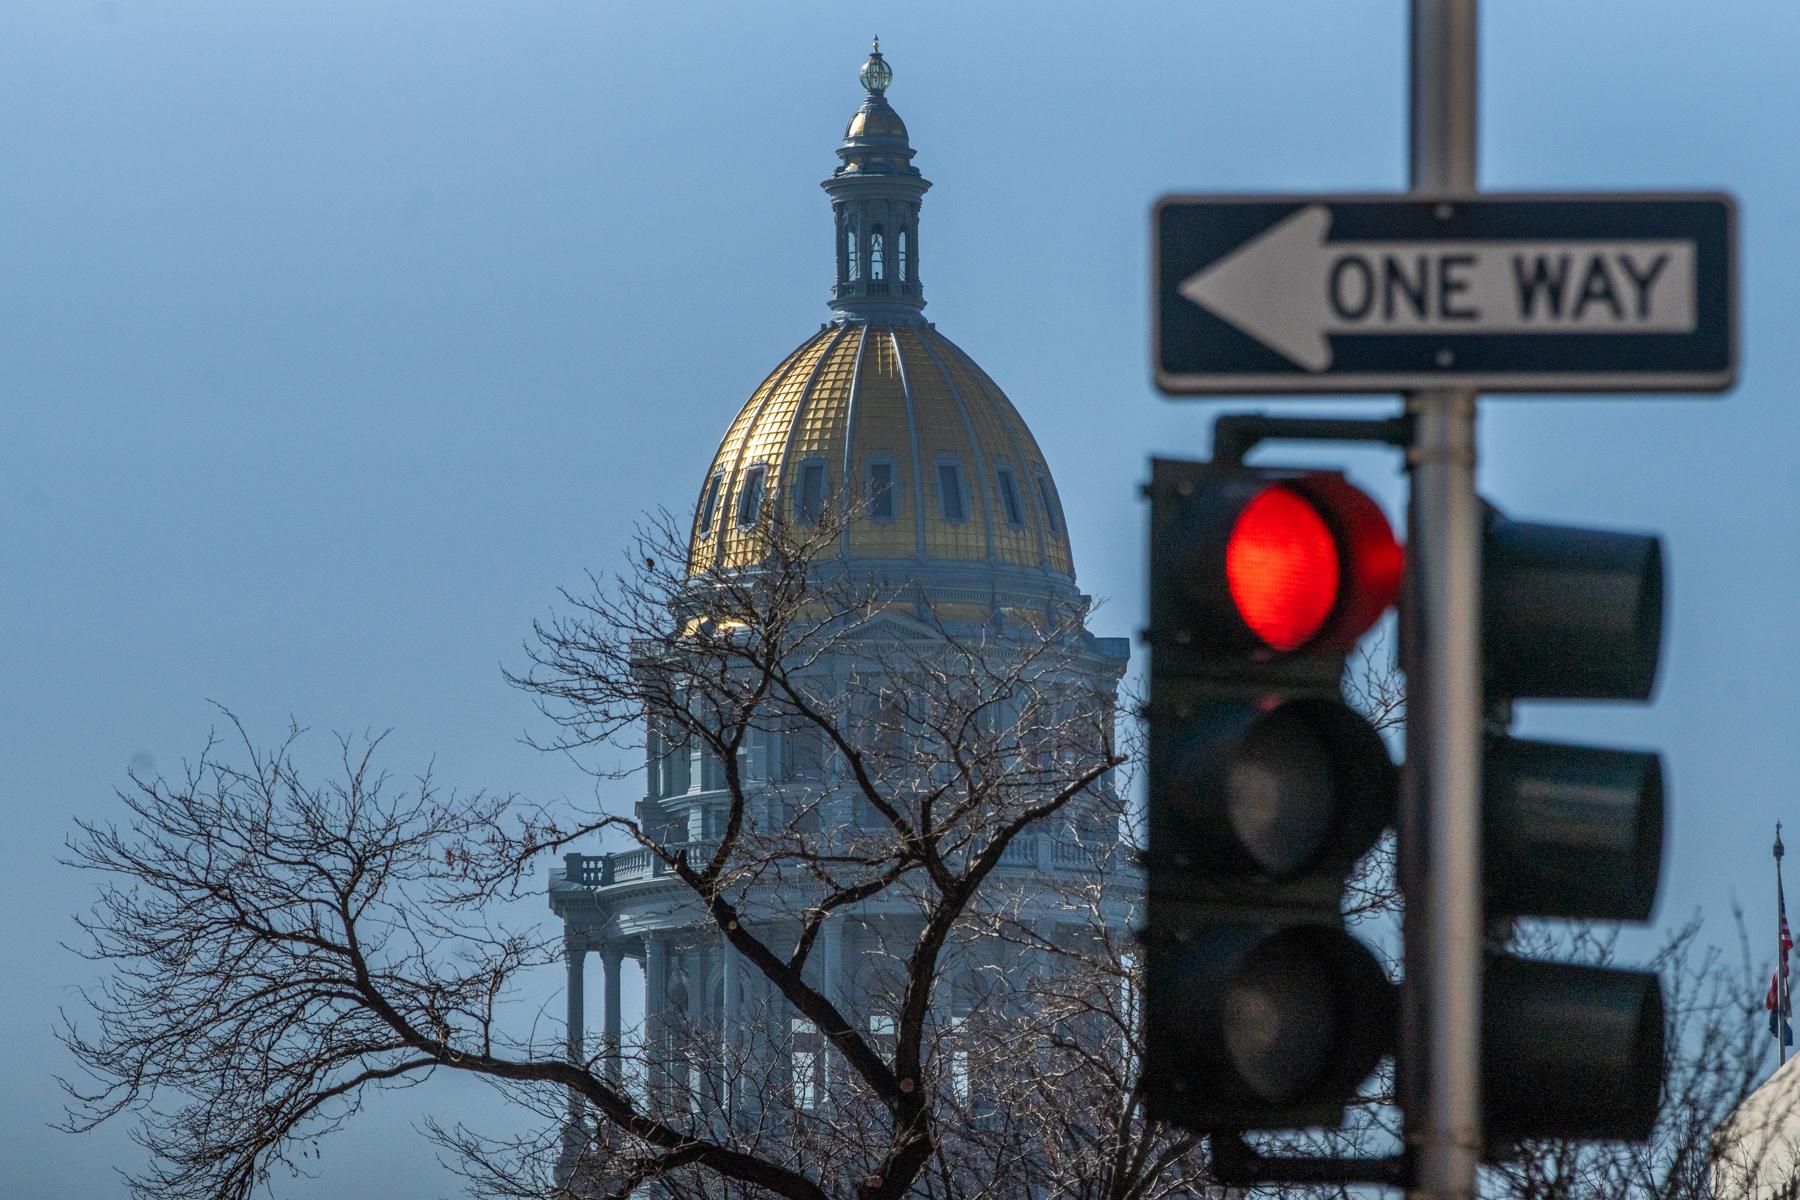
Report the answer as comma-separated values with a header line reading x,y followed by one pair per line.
x,y
1261,1012
1569,1051
1265,788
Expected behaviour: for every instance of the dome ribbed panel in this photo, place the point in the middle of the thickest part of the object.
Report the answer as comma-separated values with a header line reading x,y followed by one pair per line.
x,y
817,429
883,435
943,441
1013,543
1056,544
733,442
750,435
816,378
765,441
702,545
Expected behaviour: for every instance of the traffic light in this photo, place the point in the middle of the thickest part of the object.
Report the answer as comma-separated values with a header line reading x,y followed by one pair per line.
x,y
1265,788
1569,1051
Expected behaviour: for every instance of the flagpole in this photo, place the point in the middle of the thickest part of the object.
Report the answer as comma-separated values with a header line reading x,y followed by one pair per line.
x,y
1783,997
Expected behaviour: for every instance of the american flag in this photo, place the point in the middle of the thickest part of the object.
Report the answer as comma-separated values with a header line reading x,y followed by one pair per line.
x,y
1780,1000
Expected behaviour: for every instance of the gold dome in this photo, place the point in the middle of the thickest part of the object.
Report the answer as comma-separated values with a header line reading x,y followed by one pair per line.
x,y
942,468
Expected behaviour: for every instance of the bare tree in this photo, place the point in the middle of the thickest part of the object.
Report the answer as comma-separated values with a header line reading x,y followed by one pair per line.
x,y
279,947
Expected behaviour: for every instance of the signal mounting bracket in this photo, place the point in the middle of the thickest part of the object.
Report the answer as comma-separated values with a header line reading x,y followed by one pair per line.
x,y
1236,434
1235,1163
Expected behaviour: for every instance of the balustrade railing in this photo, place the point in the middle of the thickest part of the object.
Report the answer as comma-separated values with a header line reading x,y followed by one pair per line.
x,y
1027,851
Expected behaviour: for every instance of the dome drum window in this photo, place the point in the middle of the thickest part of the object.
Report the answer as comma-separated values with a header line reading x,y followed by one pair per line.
x,y
709,506
750,495
813,492
953,501
1009,496
1052,518
882,486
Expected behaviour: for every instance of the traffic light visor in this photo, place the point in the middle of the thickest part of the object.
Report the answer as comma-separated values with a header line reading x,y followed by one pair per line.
x,y
1570,613
1570,1051
1572,831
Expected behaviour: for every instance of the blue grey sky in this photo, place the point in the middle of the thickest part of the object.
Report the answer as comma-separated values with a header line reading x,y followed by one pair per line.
x,y
334,336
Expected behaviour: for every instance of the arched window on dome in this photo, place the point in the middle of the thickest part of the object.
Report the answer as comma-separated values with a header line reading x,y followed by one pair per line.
x,y
952,499
882,488
750,494
900,246
813,492
1009,495
709,505
877,258
1052,515
852,270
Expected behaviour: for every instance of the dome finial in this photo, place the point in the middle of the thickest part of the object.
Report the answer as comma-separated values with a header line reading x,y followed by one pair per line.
x,y
875,73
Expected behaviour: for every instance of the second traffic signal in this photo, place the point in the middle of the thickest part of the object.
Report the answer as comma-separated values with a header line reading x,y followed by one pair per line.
x,y
1569,1051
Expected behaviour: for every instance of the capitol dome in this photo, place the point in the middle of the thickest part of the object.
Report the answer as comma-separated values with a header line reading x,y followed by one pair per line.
x,y
880,409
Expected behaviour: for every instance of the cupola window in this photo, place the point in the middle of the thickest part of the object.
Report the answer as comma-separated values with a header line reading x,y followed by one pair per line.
x,y
1050,515
852,270
812,493
709,506
901,238
750,496
1009,496
877,257
881,490
950,492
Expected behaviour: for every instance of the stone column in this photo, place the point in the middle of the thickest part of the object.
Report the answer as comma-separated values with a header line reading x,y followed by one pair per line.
x,y
574,953
656,1003
730,1022
769,1048
653,765
831,972
887,246
831,959
912,247
611,955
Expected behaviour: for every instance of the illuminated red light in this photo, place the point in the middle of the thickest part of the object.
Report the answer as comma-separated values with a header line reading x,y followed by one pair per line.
x,y
1281,565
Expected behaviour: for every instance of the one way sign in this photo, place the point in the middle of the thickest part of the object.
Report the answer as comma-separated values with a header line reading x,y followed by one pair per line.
x,y
1495,293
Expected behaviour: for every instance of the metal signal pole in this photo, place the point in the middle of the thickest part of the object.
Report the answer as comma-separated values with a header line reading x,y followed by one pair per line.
x,y
1443,668
1783,990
